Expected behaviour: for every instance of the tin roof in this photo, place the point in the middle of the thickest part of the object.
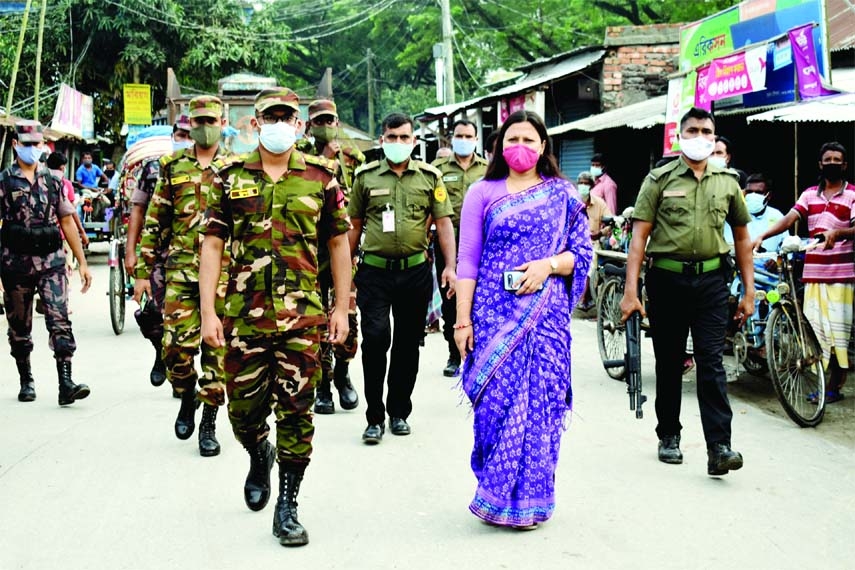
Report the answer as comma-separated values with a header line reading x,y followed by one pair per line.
x,y
841,24
831,109
642,115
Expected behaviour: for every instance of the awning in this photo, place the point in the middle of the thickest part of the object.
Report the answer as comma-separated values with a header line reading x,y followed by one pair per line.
x,y
831,109
539,76
641,115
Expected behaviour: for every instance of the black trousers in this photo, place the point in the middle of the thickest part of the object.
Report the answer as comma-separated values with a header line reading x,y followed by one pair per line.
x,y
449,307
676,304
405,294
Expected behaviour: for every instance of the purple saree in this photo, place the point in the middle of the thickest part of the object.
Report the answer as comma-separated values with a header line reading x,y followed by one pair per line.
x,y
518,376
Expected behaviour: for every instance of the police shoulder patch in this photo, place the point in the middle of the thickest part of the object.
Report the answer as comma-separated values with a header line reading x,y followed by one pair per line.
x,y
440,194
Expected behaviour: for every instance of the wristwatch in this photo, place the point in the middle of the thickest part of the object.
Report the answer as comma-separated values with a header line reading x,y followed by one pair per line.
x,y
553,263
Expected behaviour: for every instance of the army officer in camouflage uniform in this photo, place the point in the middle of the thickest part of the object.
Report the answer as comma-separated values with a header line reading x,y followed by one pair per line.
x,y
392,201
343,160
276,205
33,207
173,223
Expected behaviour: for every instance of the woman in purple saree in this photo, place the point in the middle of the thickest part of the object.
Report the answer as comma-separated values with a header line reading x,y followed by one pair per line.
x,y
523,216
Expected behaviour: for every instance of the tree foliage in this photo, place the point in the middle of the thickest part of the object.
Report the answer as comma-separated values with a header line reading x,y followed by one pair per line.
x,y
99,46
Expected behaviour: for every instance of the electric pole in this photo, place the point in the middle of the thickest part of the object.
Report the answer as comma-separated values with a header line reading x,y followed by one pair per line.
x,y
370,72
447,48
38,78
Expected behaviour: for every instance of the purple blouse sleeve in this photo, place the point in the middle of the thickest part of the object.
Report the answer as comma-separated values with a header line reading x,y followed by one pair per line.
x,y
472,231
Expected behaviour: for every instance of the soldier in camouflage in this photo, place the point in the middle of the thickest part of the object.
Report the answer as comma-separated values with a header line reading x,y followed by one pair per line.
x,y
276,205
150,315
324,128
173,223
33,207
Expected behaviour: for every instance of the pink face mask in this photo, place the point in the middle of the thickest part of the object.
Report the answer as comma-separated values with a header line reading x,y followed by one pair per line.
x,y
520,158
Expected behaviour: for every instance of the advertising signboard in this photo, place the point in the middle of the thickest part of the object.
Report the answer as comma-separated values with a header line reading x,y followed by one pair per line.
x,y
137,100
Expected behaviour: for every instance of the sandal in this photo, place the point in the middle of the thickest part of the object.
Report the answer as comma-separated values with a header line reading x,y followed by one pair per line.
x,y
831,396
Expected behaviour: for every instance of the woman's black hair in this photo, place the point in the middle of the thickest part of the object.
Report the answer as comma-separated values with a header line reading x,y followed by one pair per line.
x,y
547,166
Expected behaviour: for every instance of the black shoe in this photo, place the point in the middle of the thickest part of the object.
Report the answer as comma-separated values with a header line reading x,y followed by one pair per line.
x,y
28,385
323,399
348,399
399,426
157,376
40,306
373,434
175,394
722,459
669,450
185,423
451,368
69,392
208,444
286,527
256,489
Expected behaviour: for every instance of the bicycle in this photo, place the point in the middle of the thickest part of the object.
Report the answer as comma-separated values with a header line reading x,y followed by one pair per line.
x,y
120,286
792,350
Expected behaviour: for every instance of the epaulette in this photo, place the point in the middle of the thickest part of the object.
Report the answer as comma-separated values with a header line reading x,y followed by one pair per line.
x,y
226,162
304,145
367,166
440,161
170,158
657,173
353,152
428,167
328,164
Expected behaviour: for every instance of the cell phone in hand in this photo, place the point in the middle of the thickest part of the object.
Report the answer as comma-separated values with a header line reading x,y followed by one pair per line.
x,y
512,280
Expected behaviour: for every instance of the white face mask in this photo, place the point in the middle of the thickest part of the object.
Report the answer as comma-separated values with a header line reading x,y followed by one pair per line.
x,y
596,171
278,137
697,148
755,202
718,161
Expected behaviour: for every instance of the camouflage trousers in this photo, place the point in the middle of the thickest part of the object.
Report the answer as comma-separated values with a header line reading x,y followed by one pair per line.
x,y
153,330
52,287
347,350
276,372
182,339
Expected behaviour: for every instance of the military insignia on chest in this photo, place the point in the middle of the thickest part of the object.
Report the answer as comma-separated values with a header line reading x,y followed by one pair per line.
x,y
179,179
248,192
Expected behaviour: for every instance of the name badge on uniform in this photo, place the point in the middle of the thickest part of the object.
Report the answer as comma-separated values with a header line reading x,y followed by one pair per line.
x,y
379,192
451,178
673,193
388,219
179,179
249,192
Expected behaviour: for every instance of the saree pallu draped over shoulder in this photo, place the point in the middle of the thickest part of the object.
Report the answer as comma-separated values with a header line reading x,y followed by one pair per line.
x,y
518,375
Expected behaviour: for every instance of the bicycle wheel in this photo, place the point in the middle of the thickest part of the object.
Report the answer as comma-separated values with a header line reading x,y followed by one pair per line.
x,y
611,332
795,365
117,296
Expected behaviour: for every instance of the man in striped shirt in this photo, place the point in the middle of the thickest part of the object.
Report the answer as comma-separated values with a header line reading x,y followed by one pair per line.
x,y
829,271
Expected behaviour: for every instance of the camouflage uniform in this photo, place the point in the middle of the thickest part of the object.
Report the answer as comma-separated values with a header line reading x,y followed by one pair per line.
x,y
26,208
344,165
173,223
273,313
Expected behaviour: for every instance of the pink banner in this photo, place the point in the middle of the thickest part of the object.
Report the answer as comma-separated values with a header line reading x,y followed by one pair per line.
x,y
807,69
729,76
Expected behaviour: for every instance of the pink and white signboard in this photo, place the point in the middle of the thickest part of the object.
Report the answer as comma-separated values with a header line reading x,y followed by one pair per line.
x,y
729,76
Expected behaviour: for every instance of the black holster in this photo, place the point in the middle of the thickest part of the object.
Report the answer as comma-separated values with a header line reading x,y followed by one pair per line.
x,y
34,240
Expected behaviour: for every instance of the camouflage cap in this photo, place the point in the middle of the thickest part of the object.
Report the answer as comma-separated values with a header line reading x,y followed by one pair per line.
x,y
322,107
276,97
206,106
29,131
183,123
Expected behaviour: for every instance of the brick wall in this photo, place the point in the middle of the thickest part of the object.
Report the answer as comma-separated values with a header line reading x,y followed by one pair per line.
x,y
637,63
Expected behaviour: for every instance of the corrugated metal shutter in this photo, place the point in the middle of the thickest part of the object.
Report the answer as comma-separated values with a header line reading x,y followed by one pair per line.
x,y
576,156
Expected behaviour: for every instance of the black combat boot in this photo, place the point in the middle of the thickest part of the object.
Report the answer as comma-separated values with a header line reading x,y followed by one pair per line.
x,y
256,490
286,527
157,376
28,387
323,399
347,396
68,390
208,444
185,423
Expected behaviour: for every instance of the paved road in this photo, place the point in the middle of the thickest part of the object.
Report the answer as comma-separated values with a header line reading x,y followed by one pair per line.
x,y
105,484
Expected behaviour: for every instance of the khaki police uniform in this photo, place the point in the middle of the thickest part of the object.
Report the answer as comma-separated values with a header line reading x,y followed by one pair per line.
x,y
457,182
393,275
686,286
